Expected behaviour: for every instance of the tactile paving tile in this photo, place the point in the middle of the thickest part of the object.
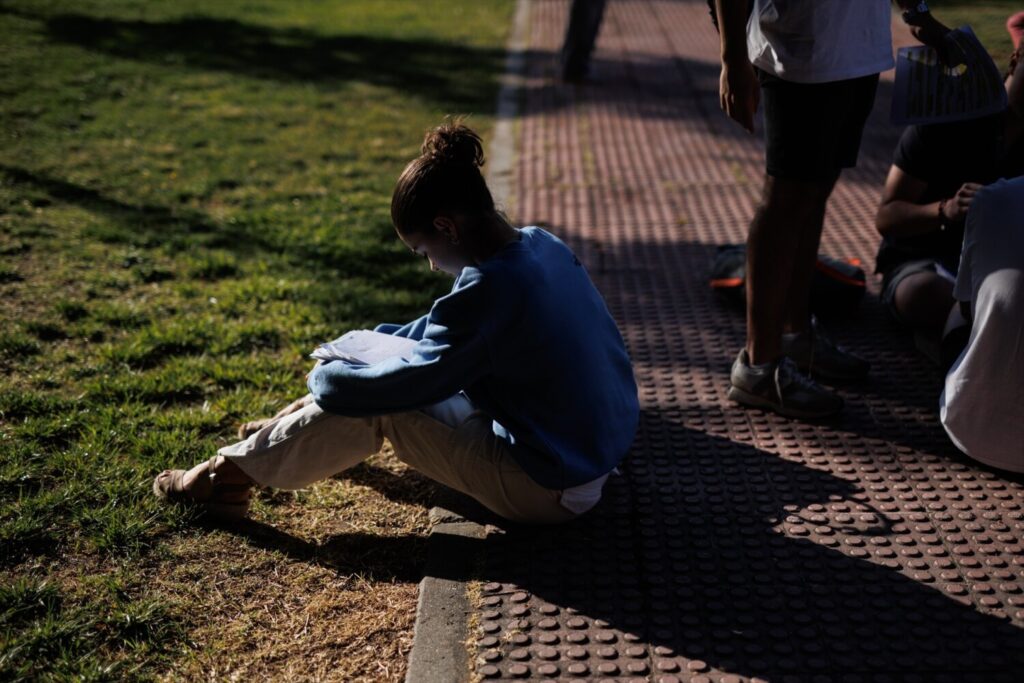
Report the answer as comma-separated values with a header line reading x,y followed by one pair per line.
x,y
736,545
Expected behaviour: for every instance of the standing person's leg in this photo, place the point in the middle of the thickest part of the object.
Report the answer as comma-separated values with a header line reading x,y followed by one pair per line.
x,y
844,108
580,35
761,376
812,131
798,308
777,255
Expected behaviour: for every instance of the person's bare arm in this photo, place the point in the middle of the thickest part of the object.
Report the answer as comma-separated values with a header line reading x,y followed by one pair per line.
x,y
739,92
1015,97
902,214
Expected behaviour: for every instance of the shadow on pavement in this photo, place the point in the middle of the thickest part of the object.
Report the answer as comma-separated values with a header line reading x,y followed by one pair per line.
x,y
653,86
684,557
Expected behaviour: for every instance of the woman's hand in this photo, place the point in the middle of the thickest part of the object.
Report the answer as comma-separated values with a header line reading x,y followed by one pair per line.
x,y
955,208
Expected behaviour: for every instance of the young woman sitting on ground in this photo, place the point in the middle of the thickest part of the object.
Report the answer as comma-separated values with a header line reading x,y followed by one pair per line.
x,y
936,171
518,392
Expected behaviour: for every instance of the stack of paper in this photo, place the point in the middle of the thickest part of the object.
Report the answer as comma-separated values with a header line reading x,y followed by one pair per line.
x,y
929,91
365,347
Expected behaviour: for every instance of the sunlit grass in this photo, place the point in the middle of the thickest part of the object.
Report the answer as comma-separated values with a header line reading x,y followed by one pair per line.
x,y
986,17
192,196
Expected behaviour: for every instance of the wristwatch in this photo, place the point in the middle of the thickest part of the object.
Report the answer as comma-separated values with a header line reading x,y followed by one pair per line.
x,y
915,13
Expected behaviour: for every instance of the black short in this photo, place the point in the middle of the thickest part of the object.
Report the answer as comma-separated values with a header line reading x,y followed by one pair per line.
x,y
812,130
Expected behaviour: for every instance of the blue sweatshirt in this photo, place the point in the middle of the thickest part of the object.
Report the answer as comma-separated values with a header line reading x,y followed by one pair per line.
x,y
528,338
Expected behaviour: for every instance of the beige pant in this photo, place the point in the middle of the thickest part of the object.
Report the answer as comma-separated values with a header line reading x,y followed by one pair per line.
x,y
308,445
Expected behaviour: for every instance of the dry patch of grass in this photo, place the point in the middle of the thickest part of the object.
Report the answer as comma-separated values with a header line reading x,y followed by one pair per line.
x,y
287,621
322,585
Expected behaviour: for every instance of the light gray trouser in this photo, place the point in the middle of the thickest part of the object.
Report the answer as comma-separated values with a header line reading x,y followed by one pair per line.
x,y
450,443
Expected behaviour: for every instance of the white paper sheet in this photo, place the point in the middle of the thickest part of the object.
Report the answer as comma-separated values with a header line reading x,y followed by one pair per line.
x,y
365,347
927,91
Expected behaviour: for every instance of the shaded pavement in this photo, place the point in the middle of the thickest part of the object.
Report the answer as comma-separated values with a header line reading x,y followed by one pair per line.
x,y
735,545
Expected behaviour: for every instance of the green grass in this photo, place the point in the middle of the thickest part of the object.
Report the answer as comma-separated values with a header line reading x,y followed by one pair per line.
x,y
192,195
986,17
55,636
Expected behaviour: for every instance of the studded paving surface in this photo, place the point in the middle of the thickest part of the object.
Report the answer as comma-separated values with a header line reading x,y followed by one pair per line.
x,y
735,545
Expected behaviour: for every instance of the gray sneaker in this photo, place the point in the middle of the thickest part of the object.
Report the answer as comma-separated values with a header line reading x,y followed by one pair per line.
x,y
817,355
782,388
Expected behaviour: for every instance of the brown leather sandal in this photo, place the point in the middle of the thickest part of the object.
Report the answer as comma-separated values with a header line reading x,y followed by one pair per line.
x,y
222,500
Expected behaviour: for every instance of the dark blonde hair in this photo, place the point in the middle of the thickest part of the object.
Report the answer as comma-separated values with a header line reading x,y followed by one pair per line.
x,y
444,179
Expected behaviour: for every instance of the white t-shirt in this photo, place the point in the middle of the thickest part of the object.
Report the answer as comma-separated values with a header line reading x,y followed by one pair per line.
x,y
817,41
982,405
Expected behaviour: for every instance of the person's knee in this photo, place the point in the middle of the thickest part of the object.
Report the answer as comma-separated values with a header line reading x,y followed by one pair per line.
x,y
796,199
924,300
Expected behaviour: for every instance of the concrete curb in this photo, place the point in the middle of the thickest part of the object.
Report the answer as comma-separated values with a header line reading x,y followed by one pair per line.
x,y
502,153
439,653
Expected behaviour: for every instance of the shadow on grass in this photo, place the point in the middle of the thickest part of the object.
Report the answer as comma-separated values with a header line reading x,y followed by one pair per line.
x,y
430,69
685,554
148,225
409,487
374,557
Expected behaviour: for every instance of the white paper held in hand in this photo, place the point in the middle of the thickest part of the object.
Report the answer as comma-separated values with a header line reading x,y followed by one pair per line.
x,y
928,91
365,347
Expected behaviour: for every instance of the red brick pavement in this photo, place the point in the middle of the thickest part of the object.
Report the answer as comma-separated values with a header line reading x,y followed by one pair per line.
x,y
736,545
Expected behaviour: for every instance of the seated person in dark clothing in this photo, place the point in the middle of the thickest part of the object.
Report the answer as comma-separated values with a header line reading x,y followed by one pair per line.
x,y
935,173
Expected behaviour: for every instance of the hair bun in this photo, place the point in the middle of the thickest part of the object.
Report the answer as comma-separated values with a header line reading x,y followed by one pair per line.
x,y
454,143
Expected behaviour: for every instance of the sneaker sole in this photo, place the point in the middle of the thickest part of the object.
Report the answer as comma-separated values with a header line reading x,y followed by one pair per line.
x,y
742,397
